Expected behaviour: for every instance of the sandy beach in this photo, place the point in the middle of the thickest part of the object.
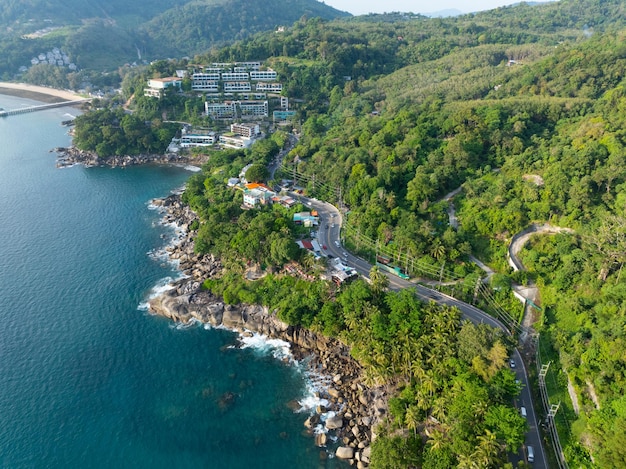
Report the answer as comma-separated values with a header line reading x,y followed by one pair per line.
x,y
38,93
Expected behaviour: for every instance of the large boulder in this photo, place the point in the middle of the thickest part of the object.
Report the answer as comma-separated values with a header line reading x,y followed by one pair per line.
x,y
332,392
334,421
345,452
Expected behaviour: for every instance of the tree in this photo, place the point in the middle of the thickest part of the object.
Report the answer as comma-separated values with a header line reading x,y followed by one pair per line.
x,y
257,173
507,425
379,281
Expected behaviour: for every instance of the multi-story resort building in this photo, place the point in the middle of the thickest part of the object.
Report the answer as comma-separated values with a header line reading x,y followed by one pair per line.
x,y
198,139
227,109
245,129
237,86
234,109
235,76
269,87
263,75
241,135
254,108
157,86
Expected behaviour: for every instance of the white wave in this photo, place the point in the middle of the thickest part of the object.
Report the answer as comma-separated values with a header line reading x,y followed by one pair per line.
x,y
209,327
163,285
311,400
181,326
280,349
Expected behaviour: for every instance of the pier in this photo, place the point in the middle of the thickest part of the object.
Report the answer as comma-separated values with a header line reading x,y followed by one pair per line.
x,y
42,107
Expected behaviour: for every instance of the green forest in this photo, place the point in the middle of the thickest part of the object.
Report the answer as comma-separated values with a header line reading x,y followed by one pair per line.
x,y
522,112
100,38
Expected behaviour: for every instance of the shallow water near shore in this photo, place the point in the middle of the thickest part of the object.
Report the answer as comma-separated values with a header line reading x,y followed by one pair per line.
x,y
86,378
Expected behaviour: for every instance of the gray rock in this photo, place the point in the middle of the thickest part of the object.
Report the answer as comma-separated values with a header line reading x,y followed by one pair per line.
x,y
334,422
332,392
344,452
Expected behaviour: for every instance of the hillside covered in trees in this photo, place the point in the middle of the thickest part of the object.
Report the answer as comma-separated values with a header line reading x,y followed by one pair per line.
x,y
103,36
523,109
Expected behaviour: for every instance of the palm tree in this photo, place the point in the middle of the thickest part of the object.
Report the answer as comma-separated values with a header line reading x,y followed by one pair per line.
x,y
379,281
467,462
488,451
438,409
412,418
438,250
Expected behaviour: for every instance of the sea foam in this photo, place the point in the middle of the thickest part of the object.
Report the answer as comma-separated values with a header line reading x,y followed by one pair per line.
x,y
279,349
163,285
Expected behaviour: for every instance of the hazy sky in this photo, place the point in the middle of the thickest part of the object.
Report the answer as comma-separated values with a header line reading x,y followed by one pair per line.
x,y
363,7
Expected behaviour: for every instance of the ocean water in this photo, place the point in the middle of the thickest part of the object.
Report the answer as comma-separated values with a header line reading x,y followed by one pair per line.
x,y
88,379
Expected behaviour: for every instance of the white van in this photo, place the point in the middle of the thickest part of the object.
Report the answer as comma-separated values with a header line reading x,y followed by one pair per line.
x,y
531,454
522,410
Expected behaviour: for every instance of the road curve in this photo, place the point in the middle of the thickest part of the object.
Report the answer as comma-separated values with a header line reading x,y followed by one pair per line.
x,y
329,236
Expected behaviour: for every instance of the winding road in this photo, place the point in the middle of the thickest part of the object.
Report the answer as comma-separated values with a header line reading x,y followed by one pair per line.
x,y
329,236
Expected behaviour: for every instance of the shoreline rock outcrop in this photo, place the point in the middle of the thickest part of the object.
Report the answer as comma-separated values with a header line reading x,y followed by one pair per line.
x,y
69,156
353,409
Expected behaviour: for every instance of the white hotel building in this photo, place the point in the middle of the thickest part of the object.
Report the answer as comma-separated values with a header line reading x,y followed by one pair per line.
x,y
237,86
263,75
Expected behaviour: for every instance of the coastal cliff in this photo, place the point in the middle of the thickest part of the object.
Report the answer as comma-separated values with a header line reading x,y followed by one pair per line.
x,y
353,409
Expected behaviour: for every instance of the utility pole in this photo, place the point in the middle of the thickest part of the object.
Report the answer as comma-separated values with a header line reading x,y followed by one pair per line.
x,y
441,272
478,280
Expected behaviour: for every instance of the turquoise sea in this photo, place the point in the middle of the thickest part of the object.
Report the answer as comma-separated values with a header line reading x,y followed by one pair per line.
x,y
87,378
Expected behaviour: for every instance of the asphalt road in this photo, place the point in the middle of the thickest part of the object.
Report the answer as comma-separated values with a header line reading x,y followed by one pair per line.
x,y
329,238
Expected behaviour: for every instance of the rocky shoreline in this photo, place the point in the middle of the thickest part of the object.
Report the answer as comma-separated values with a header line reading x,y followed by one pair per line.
x,y
353,409
70,156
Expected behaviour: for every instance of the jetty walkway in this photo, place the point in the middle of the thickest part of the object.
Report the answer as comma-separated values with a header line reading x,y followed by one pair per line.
x,y
41,107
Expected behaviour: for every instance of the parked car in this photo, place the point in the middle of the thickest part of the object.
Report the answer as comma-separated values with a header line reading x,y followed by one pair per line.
x,y
522,411
512,362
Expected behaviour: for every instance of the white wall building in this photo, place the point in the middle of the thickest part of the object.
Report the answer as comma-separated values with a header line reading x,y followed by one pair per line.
x,y
269,87
235,76
204,139
221,110
236,86
235,141
265,75
157,86
245,129
254,108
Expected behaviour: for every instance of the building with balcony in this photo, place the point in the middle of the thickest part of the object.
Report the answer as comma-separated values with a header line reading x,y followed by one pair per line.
x,y
198,139
255,194
237,86
254,108
227,109
263,75
157,86
269,87
245,129
235,76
